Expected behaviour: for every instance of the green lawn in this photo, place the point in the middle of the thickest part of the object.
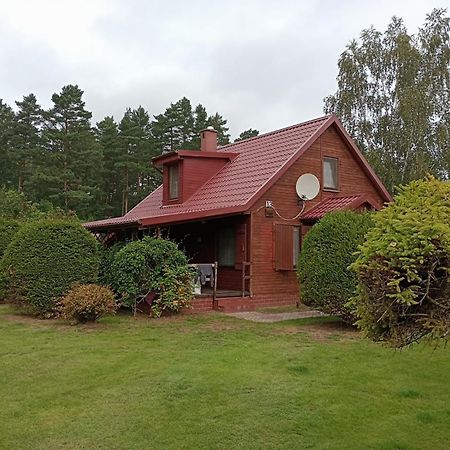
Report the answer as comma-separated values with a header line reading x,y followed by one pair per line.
x,y
211,381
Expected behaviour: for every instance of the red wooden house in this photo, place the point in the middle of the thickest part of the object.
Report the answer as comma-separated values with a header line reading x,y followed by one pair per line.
x,y
235,205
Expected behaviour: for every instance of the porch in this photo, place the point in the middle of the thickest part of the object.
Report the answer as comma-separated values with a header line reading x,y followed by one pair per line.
x,y
219,251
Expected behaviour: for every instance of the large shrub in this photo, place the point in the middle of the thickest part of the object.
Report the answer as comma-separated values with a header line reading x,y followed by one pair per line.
x,y
153,265
45,258
8,228
87,303
328,249
403,267
107,256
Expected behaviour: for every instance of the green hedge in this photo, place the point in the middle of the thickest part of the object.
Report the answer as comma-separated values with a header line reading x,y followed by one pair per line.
x,y
8,228
44,259
107,256
328,249
404,266
153,265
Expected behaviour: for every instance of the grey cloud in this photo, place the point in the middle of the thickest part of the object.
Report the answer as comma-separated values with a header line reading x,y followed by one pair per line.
x,y
261,64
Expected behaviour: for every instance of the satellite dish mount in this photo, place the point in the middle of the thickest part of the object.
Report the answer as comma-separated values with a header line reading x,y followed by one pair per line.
x,y
307,187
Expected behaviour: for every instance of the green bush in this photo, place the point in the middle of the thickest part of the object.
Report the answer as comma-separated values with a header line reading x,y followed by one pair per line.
x,y
107,255
87,303
44,259
8,228
403,267
328,249
14,205
153,265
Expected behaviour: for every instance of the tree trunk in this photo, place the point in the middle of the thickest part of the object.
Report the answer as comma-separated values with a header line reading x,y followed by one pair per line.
x,y
125,194
21,178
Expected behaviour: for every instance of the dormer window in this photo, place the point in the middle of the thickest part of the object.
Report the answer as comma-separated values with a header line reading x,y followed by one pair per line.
x,y
174,182
330,174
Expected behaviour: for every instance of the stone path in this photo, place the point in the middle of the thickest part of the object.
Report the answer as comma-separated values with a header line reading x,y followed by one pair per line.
x,y
275,317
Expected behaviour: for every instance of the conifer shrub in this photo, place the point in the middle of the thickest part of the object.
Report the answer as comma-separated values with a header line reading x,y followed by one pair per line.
x,y
44,259
403,268
326,283
8,228
87,303
155,266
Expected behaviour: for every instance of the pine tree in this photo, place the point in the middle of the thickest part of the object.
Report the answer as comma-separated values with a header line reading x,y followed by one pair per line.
x,y
27,140
200,123
6,145
219,124
179,127
134,162
107,133
174,129
200,119
75,157
247,134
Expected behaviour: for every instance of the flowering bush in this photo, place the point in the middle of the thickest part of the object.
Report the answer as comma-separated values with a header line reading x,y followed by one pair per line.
x,y
87,303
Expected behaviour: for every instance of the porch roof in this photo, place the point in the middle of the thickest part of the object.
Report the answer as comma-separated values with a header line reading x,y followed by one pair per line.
x,y
336,203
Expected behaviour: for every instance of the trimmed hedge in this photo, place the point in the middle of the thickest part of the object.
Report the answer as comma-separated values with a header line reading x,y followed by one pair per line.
x,y
8,228
44,259
153,265
404,266
328,249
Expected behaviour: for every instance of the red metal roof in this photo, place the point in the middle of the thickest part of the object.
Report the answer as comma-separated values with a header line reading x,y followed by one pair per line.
x,y
334,204
259,163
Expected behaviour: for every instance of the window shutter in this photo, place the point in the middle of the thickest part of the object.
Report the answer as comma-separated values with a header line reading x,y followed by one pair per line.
x,y
283,240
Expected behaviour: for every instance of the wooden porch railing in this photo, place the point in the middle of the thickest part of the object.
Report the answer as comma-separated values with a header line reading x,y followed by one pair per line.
x,y
246,276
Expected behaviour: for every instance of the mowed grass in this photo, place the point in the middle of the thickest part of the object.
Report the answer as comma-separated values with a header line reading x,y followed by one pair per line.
x,y
215,382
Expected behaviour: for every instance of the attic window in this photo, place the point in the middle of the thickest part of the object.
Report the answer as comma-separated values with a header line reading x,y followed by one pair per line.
x,y
174,182
330,174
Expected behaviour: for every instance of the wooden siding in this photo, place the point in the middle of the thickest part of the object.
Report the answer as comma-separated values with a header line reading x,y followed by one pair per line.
x,y
192,174
197,171
279,287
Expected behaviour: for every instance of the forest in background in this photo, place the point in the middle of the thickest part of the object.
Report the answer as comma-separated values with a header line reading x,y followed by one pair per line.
x,y
58,159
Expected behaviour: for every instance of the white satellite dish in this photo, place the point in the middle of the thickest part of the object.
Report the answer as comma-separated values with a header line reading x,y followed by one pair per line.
x,y
307,186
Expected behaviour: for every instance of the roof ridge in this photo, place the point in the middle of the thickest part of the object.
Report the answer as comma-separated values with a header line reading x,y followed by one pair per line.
x,y
317,119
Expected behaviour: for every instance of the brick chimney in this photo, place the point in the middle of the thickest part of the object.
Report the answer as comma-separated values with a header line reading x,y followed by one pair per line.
x,y
208,139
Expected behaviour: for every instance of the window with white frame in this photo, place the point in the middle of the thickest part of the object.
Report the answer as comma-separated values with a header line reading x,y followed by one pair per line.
x,y
174,189
330,173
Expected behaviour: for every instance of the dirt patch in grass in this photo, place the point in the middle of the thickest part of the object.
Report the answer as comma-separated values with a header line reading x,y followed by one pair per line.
x,y
324,331
222,326
51,323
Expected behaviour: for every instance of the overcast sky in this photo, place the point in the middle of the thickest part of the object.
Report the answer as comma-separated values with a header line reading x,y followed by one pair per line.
x,y
261,64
